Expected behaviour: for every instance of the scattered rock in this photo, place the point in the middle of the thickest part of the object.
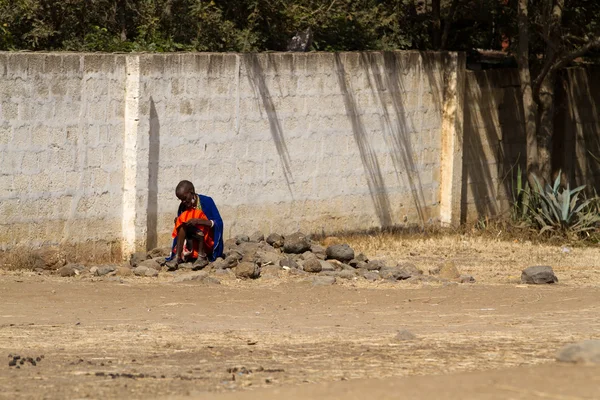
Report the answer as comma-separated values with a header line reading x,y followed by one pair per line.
x,y
466,279
410,269
268,258
375,265
275,240
257,237
326,266
449,271
50,258
270,270
219,263
232,261
313,264
137,258
346,274
361,258
193,276
247,270
105,270
318,251
415,279
67,271
289,263
434,271
145,271
239,239
150,264
159,252
323,280
395,273
538,275
296,243
371,276
404,335
586,352
340,252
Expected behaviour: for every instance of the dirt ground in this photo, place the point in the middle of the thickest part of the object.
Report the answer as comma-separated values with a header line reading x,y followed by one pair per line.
x,y
284,338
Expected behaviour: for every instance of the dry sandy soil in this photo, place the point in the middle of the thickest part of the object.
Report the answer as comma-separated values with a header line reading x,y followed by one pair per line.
x,y
282,338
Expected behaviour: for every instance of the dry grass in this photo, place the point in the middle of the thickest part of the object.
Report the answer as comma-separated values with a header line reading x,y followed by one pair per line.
x,y
19,259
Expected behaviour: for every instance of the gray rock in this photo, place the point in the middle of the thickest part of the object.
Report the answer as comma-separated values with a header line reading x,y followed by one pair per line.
x,y
361,258
347,267
257,237
268,258
219,263
538,275
449,271
363,265
67,271
159,252
105,270
307,254
137,258
404,335
247,270
224,272
410,269
186,265
340,252
326,266
371,276
313,264
145,271
296,243
194,276
466,279
270,270
318,251
49,258
150,264
232,261
239,239
323,280
328,273
395,273
346,274
586,352
275,240
289,262
375,265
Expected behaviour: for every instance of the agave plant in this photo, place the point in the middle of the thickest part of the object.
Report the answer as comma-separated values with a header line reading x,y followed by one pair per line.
x,y
563,210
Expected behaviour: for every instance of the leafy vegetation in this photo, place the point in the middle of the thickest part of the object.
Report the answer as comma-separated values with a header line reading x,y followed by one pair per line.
x,y
555,209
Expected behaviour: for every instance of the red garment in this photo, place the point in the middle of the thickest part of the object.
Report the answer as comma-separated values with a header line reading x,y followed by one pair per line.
x,y
197,213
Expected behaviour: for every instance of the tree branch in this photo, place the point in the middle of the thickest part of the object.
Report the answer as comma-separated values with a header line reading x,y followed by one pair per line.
x,y
448,22
561,62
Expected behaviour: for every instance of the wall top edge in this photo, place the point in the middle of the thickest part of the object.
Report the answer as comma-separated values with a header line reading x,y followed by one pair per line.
x,y
72,53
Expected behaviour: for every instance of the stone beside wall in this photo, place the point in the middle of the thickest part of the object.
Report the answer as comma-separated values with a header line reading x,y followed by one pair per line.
x,y
61,134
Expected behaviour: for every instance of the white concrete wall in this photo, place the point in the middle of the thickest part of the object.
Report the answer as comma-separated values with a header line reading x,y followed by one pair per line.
x,y
61,135
317,142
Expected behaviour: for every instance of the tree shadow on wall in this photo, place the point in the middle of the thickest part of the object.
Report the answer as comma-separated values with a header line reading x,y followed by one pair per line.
x,y
494,138
368,157
256,76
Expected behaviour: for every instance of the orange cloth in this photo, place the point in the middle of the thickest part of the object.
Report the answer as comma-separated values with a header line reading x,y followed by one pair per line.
x,y
197,213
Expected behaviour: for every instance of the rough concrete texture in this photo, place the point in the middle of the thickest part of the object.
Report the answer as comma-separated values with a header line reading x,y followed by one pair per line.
x,y
290,141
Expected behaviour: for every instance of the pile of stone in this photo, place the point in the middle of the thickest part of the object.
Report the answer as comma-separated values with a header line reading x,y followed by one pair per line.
x,y
250,257
254,256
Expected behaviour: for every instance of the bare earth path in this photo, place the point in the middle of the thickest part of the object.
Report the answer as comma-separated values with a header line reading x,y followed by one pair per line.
x,y
143,338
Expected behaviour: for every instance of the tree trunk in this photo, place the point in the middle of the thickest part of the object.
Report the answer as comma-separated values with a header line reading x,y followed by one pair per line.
x,y
529,106
546,126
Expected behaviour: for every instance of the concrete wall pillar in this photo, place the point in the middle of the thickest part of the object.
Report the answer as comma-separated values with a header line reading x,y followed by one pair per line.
x,y
452,139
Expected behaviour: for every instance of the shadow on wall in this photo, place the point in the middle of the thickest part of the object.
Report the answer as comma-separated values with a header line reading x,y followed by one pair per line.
x,y
368,157
153,158
576,148
494,140
256,76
